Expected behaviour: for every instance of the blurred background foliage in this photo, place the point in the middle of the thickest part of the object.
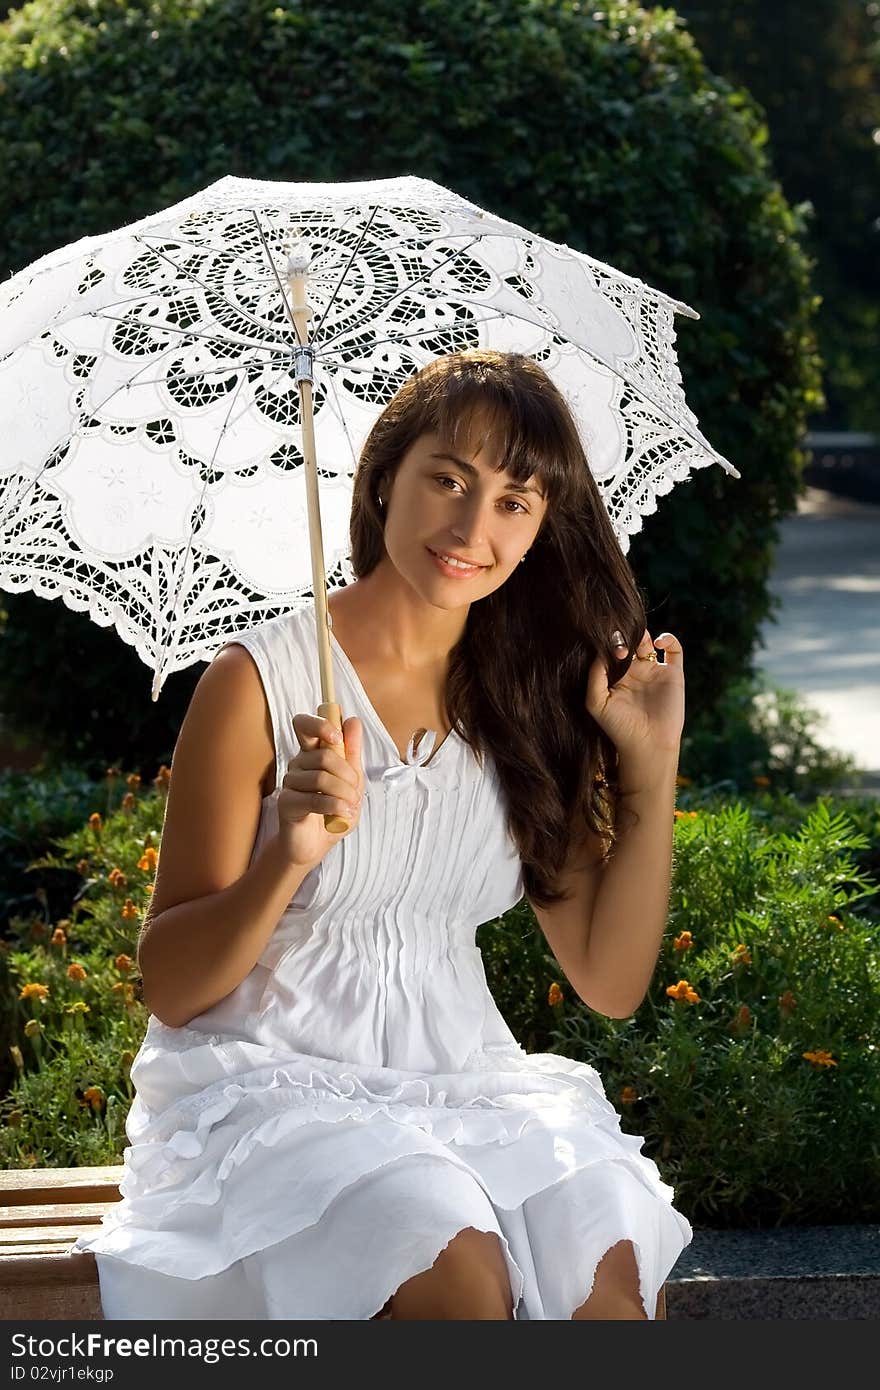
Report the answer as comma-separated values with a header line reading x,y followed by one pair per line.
x,y
604,129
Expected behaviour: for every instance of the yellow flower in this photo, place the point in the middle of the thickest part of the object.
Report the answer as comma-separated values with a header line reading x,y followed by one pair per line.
x,y
554,995
123,963
15,1054
75,971
32,1027
148,859
741,955
629,1095
33,991
683,991
684,942
59,937
820,1058
95,822
128,909
148,887
80,1007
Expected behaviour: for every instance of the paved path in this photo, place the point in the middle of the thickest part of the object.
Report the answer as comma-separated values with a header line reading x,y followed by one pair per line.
x,y
825,643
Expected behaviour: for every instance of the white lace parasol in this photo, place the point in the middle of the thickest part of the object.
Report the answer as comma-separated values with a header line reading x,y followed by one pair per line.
x,y
152,469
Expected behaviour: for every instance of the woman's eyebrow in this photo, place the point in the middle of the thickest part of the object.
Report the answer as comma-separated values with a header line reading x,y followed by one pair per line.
x,y
475,473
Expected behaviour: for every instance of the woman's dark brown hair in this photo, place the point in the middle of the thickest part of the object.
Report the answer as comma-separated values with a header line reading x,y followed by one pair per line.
x,y
517,679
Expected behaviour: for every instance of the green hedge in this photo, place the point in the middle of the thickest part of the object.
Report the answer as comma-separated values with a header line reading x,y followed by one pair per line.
x,y
601,128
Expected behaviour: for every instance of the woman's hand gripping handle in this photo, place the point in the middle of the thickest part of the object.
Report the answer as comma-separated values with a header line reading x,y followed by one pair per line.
x,y
322,791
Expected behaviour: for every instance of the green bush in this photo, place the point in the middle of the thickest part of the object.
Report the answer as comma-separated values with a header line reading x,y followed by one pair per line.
x,y
72,998
601,128
34,807
751,1068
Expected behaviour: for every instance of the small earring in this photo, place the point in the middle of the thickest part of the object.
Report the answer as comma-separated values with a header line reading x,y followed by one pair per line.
x,y
522,561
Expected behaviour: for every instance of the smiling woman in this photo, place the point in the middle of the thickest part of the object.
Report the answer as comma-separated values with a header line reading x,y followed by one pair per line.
x,y
334,1120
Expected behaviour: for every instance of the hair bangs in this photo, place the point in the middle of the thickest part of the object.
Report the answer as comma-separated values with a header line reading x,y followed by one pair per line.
x,y
472,410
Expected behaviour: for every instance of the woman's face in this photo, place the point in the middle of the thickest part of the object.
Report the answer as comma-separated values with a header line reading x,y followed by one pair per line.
x,y
440,505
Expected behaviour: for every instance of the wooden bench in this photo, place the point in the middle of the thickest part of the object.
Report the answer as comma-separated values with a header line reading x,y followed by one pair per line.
x,y
42,1211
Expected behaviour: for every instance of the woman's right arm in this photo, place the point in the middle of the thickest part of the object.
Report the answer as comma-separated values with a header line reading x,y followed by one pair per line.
x,y
211,916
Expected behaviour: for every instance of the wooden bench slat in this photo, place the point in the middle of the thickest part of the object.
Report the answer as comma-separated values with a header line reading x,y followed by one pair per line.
x,y
76,1214
27,1186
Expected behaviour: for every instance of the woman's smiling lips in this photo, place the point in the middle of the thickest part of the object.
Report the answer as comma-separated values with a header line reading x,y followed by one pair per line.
x,y
454,571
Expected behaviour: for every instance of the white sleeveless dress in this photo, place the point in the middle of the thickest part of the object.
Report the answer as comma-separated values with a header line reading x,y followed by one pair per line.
x,y
321,1134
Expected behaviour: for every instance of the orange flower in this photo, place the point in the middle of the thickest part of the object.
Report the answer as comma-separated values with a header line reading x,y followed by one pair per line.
x,y
82,867
148,859
683,991
95,822
692,815
741,955
33,991
684,942
128,909
94,1096
148,887
761,781
117,878
134,780
555,995
112,773
820,1058
59,937
629,1095
679,815
128,801
75,971
126,989
163,778
123,963
787,1004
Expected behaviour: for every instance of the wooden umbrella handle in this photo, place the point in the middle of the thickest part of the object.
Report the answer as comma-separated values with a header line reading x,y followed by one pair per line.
x,y
336,824
301,312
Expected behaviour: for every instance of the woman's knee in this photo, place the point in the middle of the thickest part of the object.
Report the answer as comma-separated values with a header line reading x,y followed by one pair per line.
x,y
468,1280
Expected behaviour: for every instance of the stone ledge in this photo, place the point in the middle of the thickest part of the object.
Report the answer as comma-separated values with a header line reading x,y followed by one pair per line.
x,y
788,1272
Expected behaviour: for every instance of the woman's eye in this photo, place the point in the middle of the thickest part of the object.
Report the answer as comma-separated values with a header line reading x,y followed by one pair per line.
x,y
518,505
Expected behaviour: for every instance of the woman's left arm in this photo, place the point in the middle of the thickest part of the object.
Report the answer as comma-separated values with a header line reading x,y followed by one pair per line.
x,y
632,902
643,714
